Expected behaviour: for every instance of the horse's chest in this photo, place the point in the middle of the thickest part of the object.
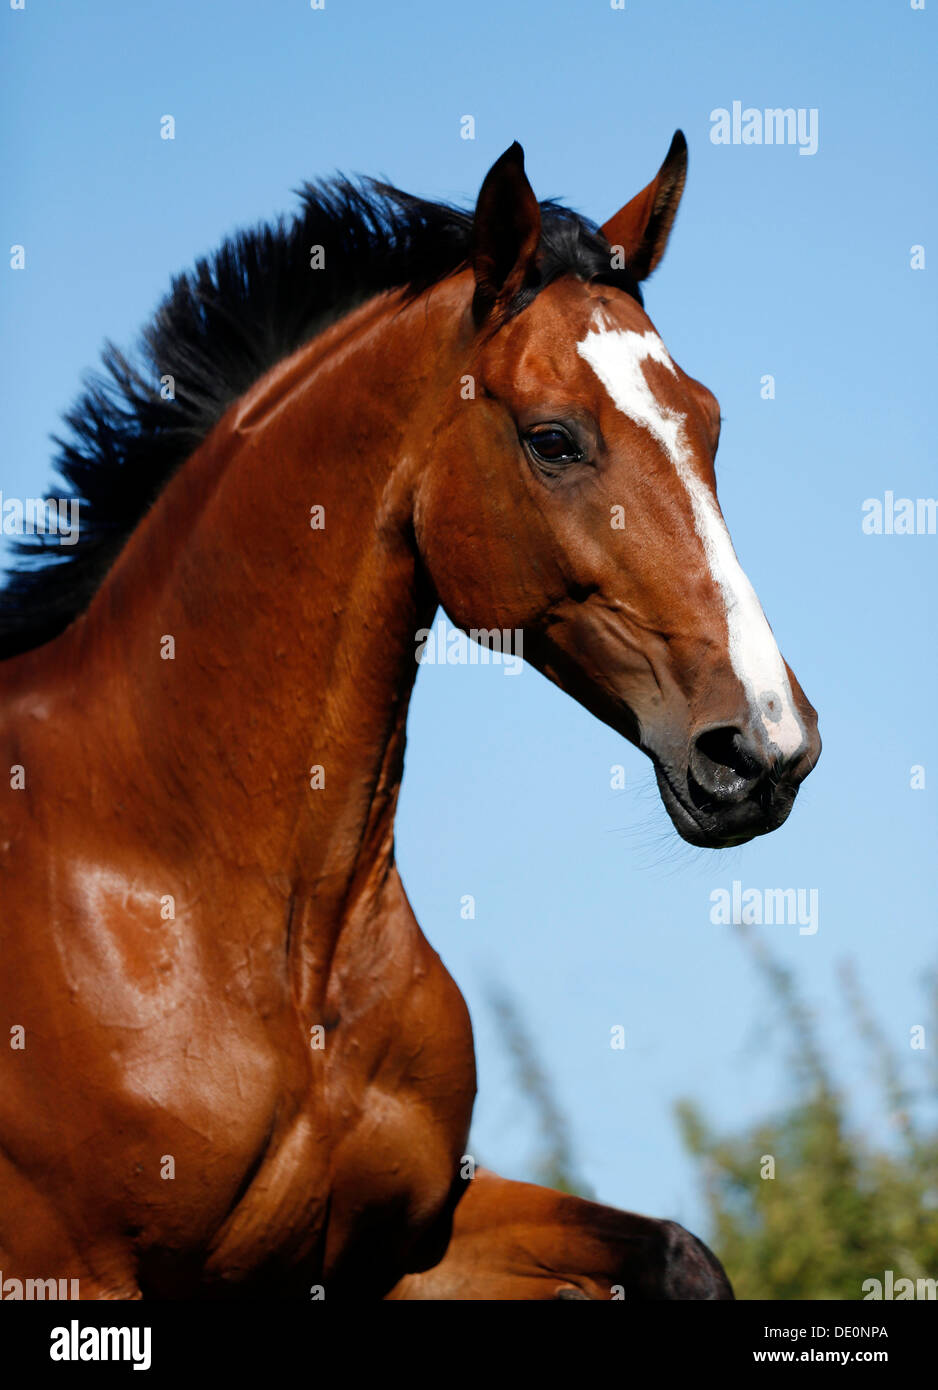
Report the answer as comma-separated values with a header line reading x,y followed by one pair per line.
x,y
263,1130
399,1089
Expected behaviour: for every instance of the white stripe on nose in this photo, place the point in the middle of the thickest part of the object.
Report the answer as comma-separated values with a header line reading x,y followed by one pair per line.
x,y
616,356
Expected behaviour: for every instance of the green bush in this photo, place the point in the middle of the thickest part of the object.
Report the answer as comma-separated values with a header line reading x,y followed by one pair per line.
x,y
842,1207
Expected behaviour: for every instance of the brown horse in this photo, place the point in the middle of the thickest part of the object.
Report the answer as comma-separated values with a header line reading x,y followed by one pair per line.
x,y
235,1063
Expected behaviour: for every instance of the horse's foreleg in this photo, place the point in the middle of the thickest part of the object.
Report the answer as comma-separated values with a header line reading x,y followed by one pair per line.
x,y
42,1253
513,1240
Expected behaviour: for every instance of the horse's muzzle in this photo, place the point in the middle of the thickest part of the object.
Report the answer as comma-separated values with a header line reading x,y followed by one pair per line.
x,y
733,788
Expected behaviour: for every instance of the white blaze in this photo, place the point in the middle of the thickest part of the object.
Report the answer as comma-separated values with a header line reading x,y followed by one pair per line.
x,y
616,356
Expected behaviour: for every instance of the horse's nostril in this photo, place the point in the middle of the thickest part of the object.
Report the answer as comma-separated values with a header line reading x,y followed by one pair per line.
x,y
727,747
724,765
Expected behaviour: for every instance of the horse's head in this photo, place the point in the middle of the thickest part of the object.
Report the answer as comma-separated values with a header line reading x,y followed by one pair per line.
x,y
572,496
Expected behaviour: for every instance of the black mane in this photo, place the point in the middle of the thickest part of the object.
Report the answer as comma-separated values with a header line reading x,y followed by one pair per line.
x,y
221,327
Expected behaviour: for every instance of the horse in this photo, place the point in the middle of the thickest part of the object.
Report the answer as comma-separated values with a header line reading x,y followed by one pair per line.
x,y
236,1066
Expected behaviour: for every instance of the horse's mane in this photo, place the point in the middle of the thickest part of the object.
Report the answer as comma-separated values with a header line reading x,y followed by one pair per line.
x,y
220,328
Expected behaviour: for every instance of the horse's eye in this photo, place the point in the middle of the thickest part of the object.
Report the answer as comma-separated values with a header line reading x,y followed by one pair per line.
x,y
552,444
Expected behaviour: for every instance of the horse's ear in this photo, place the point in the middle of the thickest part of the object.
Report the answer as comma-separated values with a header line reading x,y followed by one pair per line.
x,y
506,232
643,226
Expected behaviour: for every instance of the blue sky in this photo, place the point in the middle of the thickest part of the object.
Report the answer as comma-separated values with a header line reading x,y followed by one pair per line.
x,y
588,909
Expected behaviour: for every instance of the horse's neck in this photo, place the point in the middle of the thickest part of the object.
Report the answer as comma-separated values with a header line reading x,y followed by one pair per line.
x,y
275,735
